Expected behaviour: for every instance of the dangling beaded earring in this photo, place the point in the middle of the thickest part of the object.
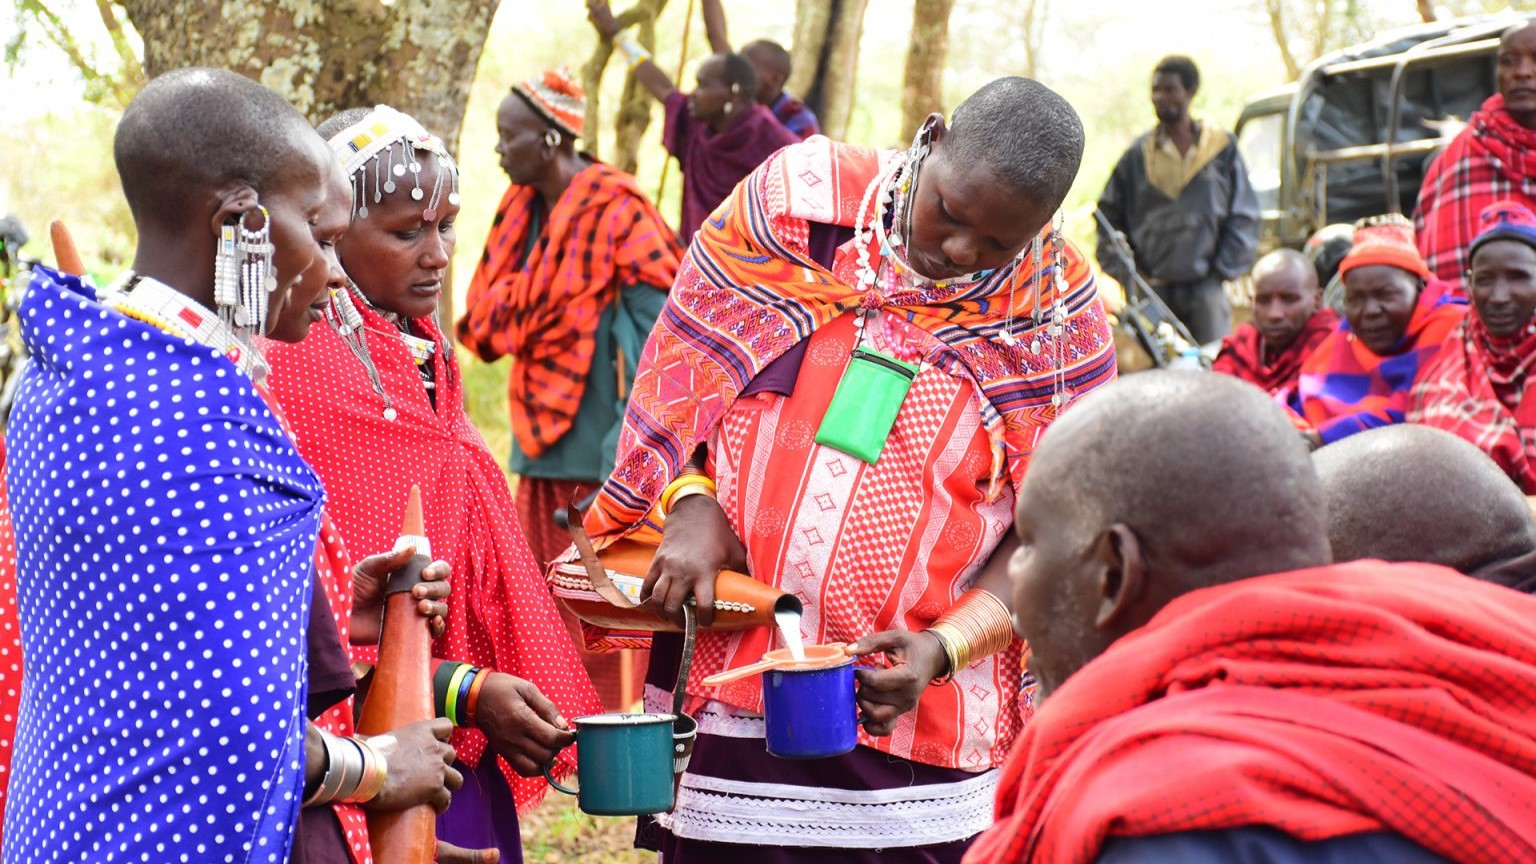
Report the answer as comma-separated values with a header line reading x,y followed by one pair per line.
x,y
242,275
348,323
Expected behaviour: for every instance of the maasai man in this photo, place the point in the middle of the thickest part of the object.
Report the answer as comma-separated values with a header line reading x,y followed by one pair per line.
x,y
1289,322
1213,690
773,65
575,271
955,276
1488,161
376,401
165,560
718,133
1396,315
1181,197
1478,386
1415,493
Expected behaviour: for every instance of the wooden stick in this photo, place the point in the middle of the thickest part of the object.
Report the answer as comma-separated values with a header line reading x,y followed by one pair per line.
x,y
64,250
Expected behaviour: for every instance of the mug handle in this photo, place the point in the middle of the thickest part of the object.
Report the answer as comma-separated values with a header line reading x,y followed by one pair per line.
x,y
555,783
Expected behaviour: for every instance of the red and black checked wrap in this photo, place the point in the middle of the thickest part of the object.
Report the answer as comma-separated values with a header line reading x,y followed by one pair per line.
x,y
539,299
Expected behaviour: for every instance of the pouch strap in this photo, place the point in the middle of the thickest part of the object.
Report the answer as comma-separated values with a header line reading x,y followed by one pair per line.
x,y
596,572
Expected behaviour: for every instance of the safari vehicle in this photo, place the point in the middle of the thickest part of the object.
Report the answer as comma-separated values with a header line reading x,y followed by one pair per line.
x,y
1354,135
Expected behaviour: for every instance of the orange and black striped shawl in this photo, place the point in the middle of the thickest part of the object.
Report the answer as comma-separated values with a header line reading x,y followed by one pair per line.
x,y
539,299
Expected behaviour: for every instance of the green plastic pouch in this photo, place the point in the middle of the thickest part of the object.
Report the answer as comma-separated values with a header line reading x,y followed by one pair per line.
x,y
865,405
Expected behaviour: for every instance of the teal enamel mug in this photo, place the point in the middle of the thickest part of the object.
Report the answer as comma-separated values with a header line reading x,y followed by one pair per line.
x,y
623,764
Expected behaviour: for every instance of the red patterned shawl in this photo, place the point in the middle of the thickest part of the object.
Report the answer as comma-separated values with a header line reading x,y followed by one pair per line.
x,y
1479,388
1242,353
501,614
1489,161
721,326
602,234
1344,699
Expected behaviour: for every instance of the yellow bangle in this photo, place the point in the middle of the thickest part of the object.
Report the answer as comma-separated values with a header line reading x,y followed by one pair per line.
x,y
685,480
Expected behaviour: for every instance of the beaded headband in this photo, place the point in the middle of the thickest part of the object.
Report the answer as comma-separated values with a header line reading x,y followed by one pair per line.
x,y
372,140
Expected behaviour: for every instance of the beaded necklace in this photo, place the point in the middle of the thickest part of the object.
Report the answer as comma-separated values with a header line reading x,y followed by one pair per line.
x,y
157,304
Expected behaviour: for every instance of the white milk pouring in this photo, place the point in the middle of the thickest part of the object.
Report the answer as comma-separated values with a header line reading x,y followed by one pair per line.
x,y
788,621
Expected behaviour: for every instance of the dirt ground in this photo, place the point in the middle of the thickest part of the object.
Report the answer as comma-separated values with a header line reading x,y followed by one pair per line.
x,y
558,833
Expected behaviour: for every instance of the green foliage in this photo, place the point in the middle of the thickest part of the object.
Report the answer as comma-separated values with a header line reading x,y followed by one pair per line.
x,y
485,400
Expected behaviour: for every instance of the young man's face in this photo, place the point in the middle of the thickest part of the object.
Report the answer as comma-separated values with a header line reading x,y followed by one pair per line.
x,y
1170,100
1282,304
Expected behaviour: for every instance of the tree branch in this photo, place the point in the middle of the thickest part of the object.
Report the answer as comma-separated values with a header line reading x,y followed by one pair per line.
x,y
1276,10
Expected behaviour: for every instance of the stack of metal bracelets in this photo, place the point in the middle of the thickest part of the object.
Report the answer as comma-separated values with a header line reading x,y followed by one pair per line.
x,y
456,691
355,772
977,626
691,482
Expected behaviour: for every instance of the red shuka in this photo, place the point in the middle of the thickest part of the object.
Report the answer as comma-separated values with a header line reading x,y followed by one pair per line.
x,y
1338,700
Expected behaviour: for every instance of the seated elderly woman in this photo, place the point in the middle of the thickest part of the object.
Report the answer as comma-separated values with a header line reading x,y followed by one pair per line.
x,y
1477,385
1396,315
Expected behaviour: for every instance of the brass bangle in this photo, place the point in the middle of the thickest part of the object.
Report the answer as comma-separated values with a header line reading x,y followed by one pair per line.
x,y
976,627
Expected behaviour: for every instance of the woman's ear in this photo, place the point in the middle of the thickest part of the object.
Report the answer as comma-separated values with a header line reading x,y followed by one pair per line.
x,y
234,202
936,128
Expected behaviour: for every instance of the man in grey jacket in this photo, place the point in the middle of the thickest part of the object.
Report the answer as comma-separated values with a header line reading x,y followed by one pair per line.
x,y
1181,197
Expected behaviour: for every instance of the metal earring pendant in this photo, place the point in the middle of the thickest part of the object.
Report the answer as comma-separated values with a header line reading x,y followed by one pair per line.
x,y
258,280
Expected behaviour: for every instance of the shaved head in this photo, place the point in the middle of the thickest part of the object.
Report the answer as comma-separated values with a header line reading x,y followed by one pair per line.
x,y
1029,136
193,132
1415,493
1289,264
1157,485
1206,469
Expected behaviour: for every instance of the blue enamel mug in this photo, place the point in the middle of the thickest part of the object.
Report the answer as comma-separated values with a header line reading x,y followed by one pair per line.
x,y
811,708
624,764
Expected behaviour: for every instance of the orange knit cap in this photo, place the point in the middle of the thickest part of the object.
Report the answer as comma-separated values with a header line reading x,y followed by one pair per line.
x,y
557,99
1385,240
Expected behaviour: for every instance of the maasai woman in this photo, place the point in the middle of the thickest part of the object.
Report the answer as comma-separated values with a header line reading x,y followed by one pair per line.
x,y
1396,315
166,549
376,400
890,532
575,271
1479,385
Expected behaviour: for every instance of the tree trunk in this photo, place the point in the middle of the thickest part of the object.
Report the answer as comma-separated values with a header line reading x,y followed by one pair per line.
x,y
634,114
830,93
415,55
813,20
922,88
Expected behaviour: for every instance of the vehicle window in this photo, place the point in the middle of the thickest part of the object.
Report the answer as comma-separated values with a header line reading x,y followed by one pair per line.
x,y
1260,142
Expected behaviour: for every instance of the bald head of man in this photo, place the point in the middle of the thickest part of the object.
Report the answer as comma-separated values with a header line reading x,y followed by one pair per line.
x,y
1160,484
1413,493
